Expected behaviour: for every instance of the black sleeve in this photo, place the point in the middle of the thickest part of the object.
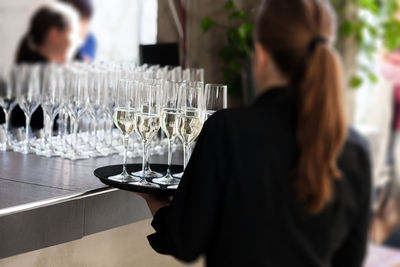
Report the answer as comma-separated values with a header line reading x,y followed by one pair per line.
x,y
185,228
353,250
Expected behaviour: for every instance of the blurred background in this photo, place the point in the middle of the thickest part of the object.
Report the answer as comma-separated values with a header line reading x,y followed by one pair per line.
x,y
217,36
119,26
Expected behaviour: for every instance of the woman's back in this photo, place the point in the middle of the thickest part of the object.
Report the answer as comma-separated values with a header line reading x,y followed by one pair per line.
x,y
236,202
283,182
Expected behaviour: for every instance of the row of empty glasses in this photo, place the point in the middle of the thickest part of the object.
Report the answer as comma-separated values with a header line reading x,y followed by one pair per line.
x,y
82,100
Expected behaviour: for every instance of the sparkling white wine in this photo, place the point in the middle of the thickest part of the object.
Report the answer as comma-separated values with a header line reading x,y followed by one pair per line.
x,y
169,122
124,119
147,125
189,126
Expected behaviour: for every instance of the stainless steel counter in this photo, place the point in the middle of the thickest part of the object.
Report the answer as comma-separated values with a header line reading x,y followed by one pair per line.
x,y
48,201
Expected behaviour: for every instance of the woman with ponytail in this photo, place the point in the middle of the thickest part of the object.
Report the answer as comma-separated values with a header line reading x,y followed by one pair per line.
x,y
283,182
52,37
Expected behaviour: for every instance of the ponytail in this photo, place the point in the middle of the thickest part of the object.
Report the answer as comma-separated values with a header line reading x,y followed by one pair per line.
x,y
23,50
295,33
321,128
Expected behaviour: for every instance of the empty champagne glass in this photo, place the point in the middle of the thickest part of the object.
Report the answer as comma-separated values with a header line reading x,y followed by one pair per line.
x,y
147,121
124,119
192,117
170,115
5,94
215,98
29,99
77,106
53,86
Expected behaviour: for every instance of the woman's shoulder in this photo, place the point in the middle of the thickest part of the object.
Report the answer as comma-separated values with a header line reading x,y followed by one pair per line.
x,y
356,143
355,164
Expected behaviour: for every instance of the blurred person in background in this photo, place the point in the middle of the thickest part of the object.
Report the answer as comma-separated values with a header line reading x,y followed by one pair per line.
x,y
283,182
52,37
87,52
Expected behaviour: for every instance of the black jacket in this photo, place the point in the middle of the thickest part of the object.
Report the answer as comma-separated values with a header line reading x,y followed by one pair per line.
x,y
236,204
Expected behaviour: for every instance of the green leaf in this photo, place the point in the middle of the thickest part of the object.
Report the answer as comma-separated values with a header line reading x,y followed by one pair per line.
x,y
346,28
371,5
356,82
230,5
206,24
391,35
372,77
245,31
239,14
233,37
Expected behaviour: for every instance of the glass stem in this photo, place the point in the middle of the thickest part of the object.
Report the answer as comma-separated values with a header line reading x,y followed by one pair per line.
x,y
94,131
144,163
147,166
75,126
28,122
110,132
51,124
8,119
186,155
125,140
6,130
169,157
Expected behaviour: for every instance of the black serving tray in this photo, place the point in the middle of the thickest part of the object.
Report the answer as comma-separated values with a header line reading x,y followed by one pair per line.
x,y
107,171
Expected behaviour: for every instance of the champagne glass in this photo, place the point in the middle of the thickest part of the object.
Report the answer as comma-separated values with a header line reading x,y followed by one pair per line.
x,y
170,114
30,98
147,121
53,86
215,98
11,96
7,103
124,119
192,117
157,85
77,106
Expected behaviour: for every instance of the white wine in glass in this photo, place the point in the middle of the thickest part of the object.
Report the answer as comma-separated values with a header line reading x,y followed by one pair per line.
x,y
147,126
169,122
190,125
192,117
147,121
124,119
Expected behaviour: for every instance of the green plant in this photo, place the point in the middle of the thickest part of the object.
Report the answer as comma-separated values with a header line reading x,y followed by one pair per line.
x,y
374,20
239,35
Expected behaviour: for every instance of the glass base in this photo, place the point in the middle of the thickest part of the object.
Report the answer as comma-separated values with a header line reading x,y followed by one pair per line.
x,y
175,186
24,150
148,174
144,182
75,156
178,175
166,180
124,178
48,153
3,147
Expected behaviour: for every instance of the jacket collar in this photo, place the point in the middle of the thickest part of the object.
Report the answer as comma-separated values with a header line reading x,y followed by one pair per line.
x,y
273,94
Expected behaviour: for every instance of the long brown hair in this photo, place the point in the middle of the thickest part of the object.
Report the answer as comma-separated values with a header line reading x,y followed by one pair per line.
x,y
298,36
